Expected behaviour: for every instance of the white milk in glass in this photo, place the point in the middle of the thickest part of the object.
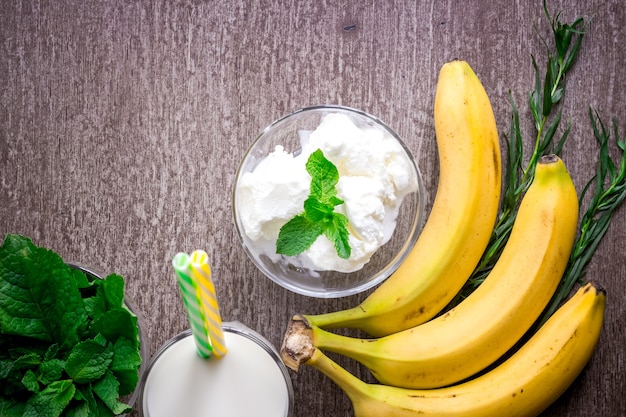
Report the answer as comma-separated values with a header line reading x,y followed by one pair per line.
x,y
249,381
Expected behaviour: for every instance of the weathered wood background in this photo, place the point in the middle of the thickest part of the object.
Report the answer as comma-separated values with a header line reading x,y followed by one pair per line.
x,y
122,123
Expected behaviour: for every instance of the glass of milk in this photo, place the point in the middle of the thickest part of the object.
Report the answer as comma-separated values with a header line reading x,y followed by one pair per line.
x,y
250,380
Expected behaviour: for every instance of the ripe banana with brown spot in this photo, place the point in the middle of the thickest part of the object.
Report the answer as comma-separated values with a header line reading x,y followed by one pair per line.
x,y
522,386
484,326
461,220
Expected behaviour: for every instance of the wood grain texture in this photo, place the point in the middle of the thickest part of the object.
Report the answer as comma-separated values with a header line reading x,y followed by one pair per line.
x,y
122,123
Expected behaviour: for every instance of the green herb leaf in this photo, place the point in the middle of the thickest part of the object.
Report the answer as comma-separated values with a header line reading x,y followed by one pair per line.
x,y
95,306
87,405
78,409
29,380
51,370
324,176
125,365
609,192
88,361
38,298
316,211
62,332
6,366
107,389
11,408
113,288
80,279
29,360
319,216
51,401
116,323
109,294
337,231
547,96
297,235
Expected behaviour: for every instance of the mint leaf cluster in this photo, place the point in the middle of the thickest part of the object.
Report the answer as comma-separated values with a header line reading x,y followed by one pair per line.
x,y
319,216
69,346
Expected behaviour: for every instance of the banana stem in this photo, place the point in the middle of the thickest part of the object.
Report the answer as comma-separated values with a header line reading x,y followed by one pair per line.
x,y
302,339
298,348
337,319
353,387
343,345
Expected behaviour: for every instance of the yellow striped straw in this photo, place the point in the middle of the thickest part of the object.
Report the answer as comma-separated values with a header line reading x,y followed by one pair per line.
x,y
193,305
201,273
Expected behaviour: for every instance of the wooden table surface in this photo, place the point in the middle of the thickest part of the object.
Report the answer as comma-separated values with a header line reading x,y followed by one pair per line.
x,y
122,124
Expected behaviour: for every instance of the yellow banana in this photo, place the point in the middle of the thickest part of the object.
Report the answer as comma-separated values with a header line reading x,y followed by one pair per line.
x,y
460,222
522,386
484,326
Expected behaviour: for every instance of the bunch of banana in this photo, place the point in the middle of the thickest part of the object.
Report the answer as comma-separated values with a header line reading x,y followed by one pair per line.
x,y
420,362
461,220
522,386
484,326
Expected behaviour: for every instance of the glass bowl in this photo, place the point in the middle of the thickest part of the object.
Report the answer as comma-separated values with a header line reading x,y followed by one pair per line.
x,y
130,399
363,149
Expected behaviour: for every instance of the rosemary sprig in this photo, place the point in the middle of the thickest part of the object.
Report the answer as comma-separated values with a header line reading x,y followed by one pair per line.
x,y
543,101
608,184
609,191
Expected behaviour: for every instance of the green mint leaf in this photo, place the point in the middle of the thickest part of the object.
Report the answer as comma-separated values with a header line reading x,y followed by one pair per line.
x,y
297,235
109,295
80,278
324,176
51,401
38,297
86,398
6,366
335,201
113,286
11,387
11,408
51,370
107,389
316,211
88,361
125,365
47,315
116,323
29,380
52,352
102,410
337,232
78,409
29,360
95,306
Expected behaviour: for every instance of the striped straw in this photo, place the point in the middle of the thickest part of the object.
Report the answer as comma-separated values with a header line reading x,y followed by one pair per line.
x,y
201,273
195,313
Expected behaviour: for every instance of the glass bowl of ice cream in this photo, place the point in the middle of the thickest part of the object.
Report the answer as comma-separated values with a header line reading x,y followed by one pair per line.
x,y
328,201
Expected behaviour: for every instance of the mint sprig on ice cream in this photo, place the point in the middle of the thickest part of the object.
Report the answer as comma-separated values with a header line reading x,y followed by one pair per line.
x,y
319,216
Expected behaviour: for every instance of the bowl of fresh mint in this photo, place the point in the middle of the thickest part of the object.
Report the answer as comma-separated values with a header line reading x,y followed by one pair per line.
x,y
328,201
70,341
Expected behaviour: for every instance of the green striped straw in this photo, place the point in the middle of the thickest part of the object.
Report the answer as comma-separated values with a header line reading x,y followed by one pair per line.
x,y
195,314
201,274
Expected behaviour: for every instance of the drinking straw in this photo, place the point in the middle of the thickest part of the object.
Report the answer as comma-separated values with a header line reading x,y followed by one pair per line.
x,y
195,312
201,273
